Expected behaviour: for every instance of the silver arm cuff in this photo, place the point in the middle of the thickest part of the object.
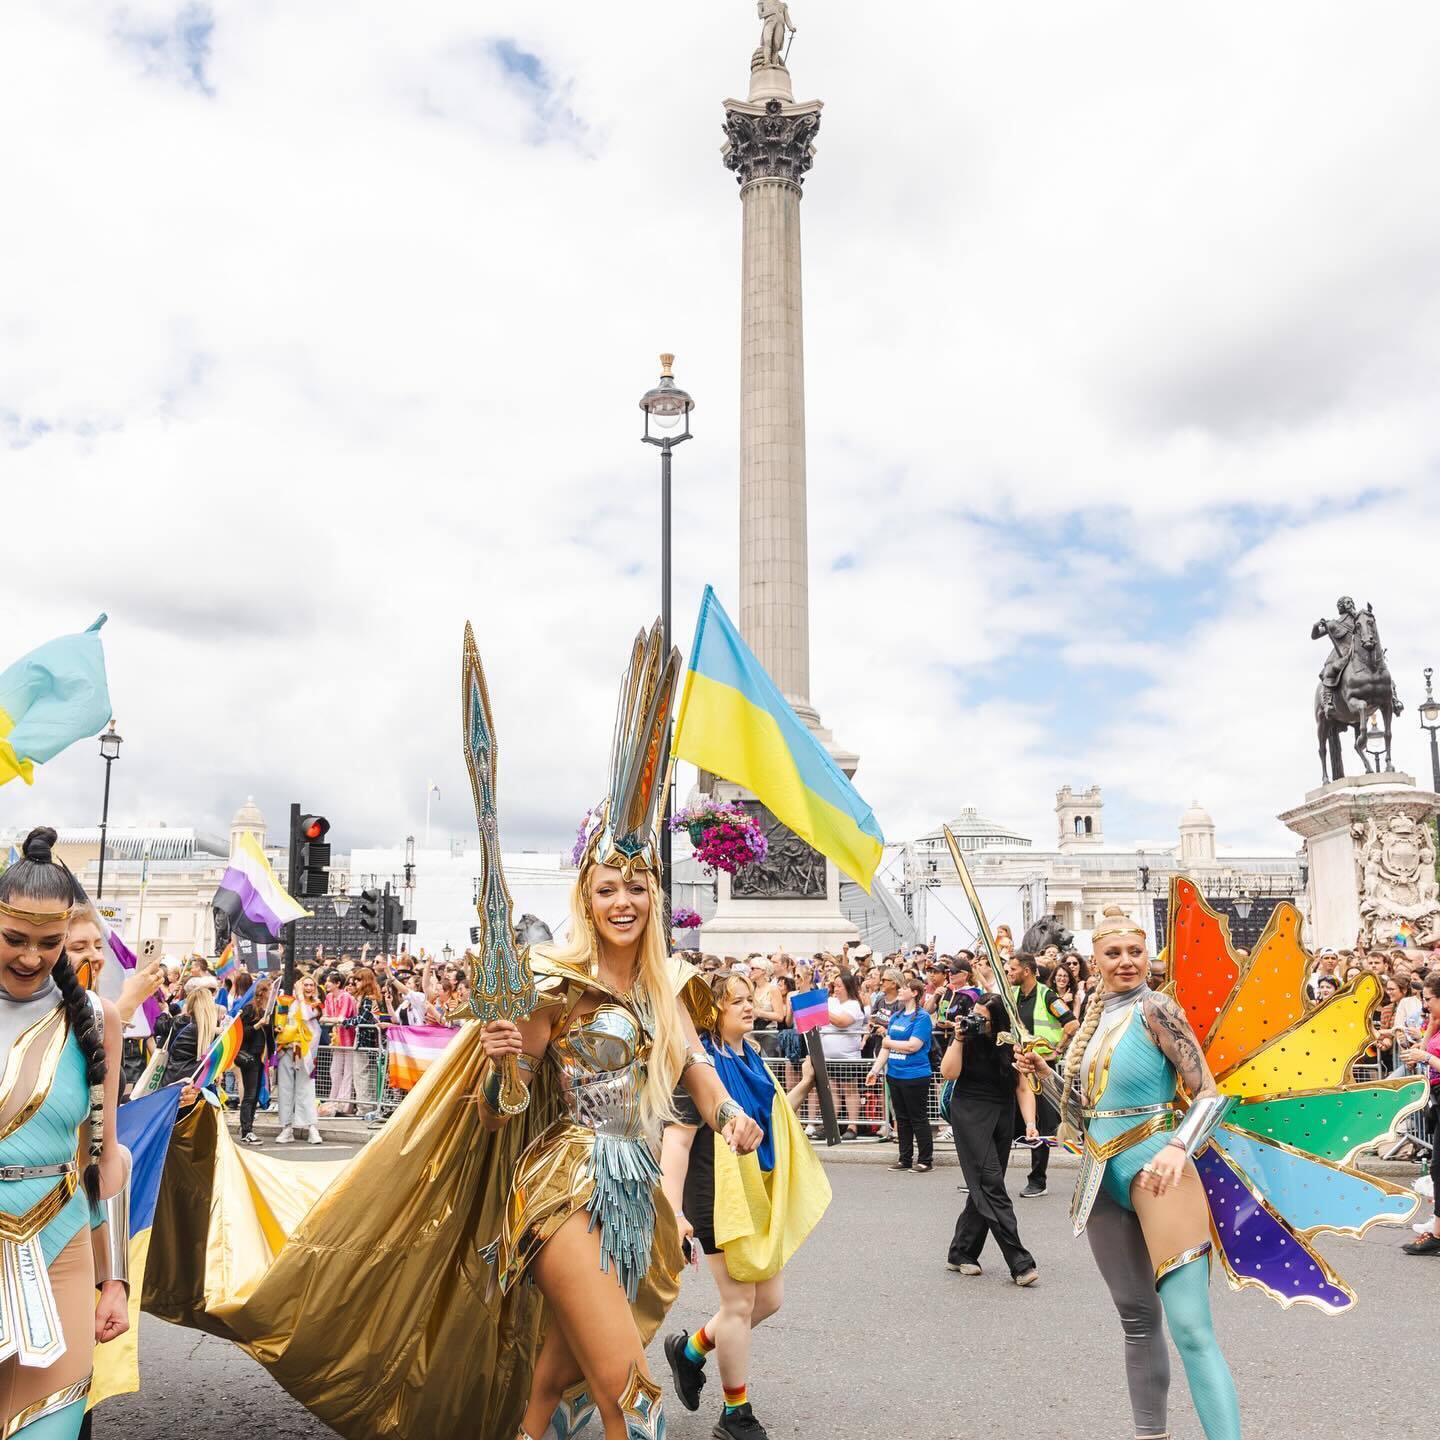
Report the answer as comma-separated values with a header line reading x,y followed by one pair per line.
x,y
111,1241
726,1112
696,1057
1201,1121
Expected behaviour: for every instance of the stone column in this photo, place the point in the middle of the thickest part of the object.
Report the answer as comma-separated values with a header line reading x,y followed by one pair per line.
x,y
770,146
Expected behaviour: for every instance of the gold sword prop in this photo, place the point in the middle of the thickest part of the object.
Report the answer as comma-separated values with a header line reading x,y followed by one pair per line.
x,y
1018,1035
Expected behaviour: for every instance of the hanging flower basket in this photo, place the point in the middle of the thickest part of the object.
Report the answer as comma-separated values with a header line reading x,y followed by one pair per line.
x,y
684,919
725,837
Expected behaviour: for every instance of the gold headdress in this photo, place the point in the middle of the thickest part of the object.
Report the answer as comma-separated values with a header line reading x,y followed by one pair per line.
x,y
1114,921
37,917
622,830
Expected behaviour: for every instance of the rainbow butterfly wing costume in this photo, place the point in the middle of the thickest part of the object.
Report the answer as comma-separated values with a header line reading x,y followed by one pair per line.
x,y
1279,1171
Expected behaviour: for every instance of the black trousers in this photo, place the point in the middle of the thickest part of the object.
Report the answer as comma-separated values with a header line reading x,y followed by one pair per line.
x,y
908,1099
249,1067
983,1129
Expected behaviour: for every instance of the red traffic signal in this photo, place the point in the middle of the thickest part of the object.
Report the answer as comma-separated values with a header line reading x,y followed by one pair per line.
x,y
314,827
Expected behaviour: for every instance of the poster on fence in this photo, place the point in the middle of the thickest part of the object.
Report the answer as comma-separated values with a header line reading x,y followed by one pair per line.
x,y
413,1050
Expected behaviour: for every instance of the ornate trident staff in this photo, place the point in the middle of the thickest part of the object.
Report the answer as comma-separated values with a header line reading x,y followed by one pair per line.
x,y
1018,1035
501,984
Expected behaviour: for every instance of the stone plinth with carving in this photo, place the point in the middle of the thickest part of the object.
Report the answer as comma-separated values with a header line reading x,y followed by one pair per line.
x,y
1372,863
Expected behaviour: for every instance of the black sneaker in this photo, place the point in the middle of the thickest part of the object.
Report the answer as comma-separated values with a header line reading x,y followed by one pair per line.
x,y
1033,1190
739,1424
1425,1245
688,1376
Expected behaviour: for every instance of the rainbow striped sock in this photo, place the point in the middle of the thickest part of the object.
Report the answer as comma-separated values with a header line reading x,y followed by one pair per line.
x,y
737,1397
698,1346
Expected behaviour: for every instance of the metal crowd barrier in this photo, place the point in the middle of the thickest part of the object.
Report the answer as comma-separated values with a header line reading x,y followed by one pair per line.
x,y
352,1076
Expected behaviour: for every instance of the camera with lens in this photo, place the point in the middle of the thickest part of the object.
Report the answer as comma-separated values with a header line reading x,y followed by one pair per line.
x,y
971,1024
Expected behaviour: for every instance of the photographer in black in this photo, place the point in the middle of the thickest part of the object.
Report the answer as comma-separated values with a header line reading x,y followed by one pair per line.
x,y
982,1119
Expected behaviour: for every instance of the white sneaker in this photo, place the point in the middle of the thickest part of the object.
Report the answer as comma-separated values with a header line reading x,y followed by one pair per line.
x,y
1424,1227
316,1138
285,1137
945,1133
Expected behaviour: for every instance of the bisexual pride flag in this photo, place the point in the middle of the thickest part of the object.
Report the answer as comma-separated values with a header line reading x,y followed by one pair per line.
x,y
252,899
143,1127
810,1008
49,699
734,722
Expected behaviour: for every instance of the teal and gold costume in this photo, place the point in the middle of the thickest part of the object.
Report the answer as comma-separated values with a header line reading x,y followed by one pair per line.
x,y
1273,1151
47,1291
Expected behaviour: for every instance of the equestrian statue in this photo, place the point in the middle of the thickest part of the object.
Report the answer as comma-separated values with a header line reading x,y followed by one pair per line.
x,y
1354,682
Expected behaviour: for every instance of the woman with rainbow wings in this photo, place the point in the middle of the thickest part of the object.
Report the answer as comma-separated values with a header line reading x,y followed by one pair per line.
x,y
1218,1119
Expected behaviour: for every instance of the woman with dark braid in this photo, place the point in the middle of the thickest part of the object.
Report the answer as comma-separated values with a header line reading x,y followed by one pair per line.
x,y
63,1175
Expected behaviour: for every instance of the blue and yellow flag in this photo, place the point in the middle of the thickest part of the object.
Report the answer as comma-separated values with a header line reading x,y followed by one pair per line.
x,y
143,1127
734,722
49,699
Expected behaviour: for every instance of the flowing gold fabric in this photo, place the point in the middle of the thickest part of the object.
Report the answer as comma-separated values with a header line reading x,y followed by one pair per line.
x,y
372,1305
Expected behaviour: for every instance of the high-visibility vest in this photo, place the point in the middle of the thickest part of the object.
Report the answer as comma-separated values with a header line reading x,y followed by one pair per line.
x,y
1045,1025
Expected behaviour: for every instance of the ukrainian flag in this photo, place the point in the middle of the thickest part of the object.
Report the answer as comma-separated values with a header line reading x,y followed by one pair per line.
x,y
49,699
143,1127
734,722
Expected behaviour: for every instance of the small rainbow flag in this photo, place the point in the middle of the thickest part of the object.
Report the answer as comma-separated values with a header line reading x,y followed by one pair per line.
x,y
221,1056
225,965
413,1050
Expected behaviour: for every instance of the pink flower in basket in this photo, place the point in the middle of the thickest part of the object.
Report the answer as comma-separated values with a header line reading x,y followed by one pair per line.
x,y
684,919
725,837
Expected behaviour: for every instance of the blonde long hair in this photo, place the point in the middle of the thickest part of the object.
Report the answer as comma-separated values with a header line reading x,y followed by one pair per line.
x,y
201,1008
653,985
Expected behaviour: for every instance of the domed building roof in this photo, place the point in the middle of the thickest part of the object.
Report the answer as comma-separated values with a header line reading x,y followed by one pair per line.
x,y
248,817
1195,817
973,831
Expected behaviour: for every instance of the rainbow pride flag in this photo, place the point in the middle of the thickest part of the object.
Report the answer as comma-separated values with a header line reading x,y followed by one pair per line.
x,y
734,722
223,1050
225,966
413,1050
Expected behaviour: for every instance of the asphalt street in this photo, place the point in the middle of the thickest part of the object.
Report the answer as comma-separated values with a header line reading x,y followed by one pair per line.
x,y
878,1340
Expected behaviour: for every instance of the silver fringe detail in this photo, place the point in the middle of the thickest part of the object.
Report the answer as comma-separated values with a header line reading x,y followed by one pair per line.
x,y
623,1206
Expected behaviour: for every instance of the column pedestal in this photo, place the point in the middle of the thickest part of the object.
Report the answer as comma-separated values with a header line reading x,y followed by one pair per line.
x,y
1372,862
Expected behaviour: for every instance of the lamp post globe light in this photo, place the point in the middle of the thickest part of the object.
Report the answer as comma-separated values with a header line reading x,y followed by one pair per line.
x,y
110,743
1375,738
665,407
449,953
1430,720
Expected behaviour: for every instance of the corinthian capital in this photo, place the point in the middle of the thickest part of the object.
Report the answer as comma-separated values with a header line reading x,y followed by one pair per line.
x,y
772,142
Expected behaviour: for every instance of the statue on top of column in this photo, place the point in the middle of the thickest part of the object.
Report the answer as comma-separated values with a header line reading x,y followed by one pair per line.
x,y
776,27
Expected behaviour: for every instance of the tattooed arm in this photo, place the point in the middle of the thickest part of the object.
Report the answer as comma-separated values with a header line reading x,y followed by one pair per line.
x,y
1172,1033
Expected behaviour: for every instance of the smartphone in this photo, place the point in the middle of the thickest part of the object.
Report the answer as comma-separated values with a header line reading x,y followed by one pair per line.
x,y
151,951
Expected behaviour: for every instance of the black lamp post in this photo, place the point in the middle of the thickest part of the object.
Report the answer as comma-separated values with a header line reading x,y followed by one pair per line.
x,y
1375,739
1430,720
665,407
110,744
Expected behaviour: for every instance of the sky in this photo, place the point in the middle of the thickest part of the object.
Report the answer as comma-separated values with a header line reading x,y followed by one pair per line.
x,y
323,328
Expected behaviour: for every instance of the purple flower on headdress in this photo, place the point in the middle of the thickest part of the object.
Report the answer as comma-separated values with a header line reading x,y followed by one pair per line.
x,y
581,840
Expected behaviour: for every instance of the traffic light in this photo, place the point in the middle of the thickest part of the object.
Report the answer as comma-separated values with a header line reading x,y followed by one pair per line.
x,y
313,879
395,917
370,911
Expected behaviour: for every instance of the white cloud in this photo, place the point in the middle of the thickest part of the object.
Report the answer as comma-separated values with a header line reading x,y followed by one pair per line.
x,y
307,364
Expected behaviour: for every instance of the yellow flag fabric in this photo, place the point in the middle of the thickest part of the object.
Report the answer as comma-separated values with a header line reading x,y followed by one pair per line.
x,y
762,1219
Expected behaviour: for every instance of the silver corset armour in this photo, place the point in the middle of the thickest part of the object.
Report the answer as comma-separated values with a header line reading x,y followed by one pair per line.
x,y
603,1068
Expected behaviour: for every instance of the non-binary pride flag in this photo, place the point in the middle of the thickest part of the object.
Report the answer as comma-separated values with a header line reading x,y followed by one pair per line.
x,y
810,1009
252,899
49,699
413,1049
143,1127
221,1055
734,722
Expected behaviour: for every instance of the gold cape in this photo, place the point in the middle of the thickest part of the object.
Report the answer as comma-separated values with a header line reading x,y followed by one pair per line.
x,y
369,1301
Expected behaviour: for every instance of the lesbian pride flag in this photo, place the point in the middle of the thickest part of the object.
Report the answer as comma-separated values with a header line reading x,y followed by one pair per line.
x,y
413,1050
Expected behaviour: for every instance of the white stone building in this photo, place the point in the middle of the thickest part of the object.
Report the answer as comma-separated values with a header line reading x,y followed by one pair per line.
x,y
1075,880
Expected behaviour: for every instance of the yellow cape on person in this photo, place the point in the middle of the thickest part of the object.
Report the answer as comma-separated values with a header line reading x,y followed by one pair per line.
x,y
373,1306
762,1219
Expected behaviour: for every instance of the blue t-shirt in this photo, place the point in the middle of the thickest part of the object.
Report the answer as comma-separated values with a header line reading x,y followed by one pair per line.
x,y
918,1026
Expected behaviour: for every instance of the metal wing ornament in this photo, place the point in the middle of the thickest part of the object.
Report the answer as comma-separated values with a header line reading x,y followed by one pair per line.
x,y
1279,1171
501,984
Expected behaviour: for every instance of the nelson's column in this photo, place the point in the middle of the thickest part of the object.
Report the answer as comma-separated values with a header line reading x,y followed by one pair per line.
x,y
792,901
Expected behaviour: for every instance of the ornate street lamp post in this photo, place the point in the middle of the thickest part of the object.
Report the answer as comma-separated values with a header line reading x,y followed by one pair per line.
x,y
1430,720
665,407
110,744
1375,739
